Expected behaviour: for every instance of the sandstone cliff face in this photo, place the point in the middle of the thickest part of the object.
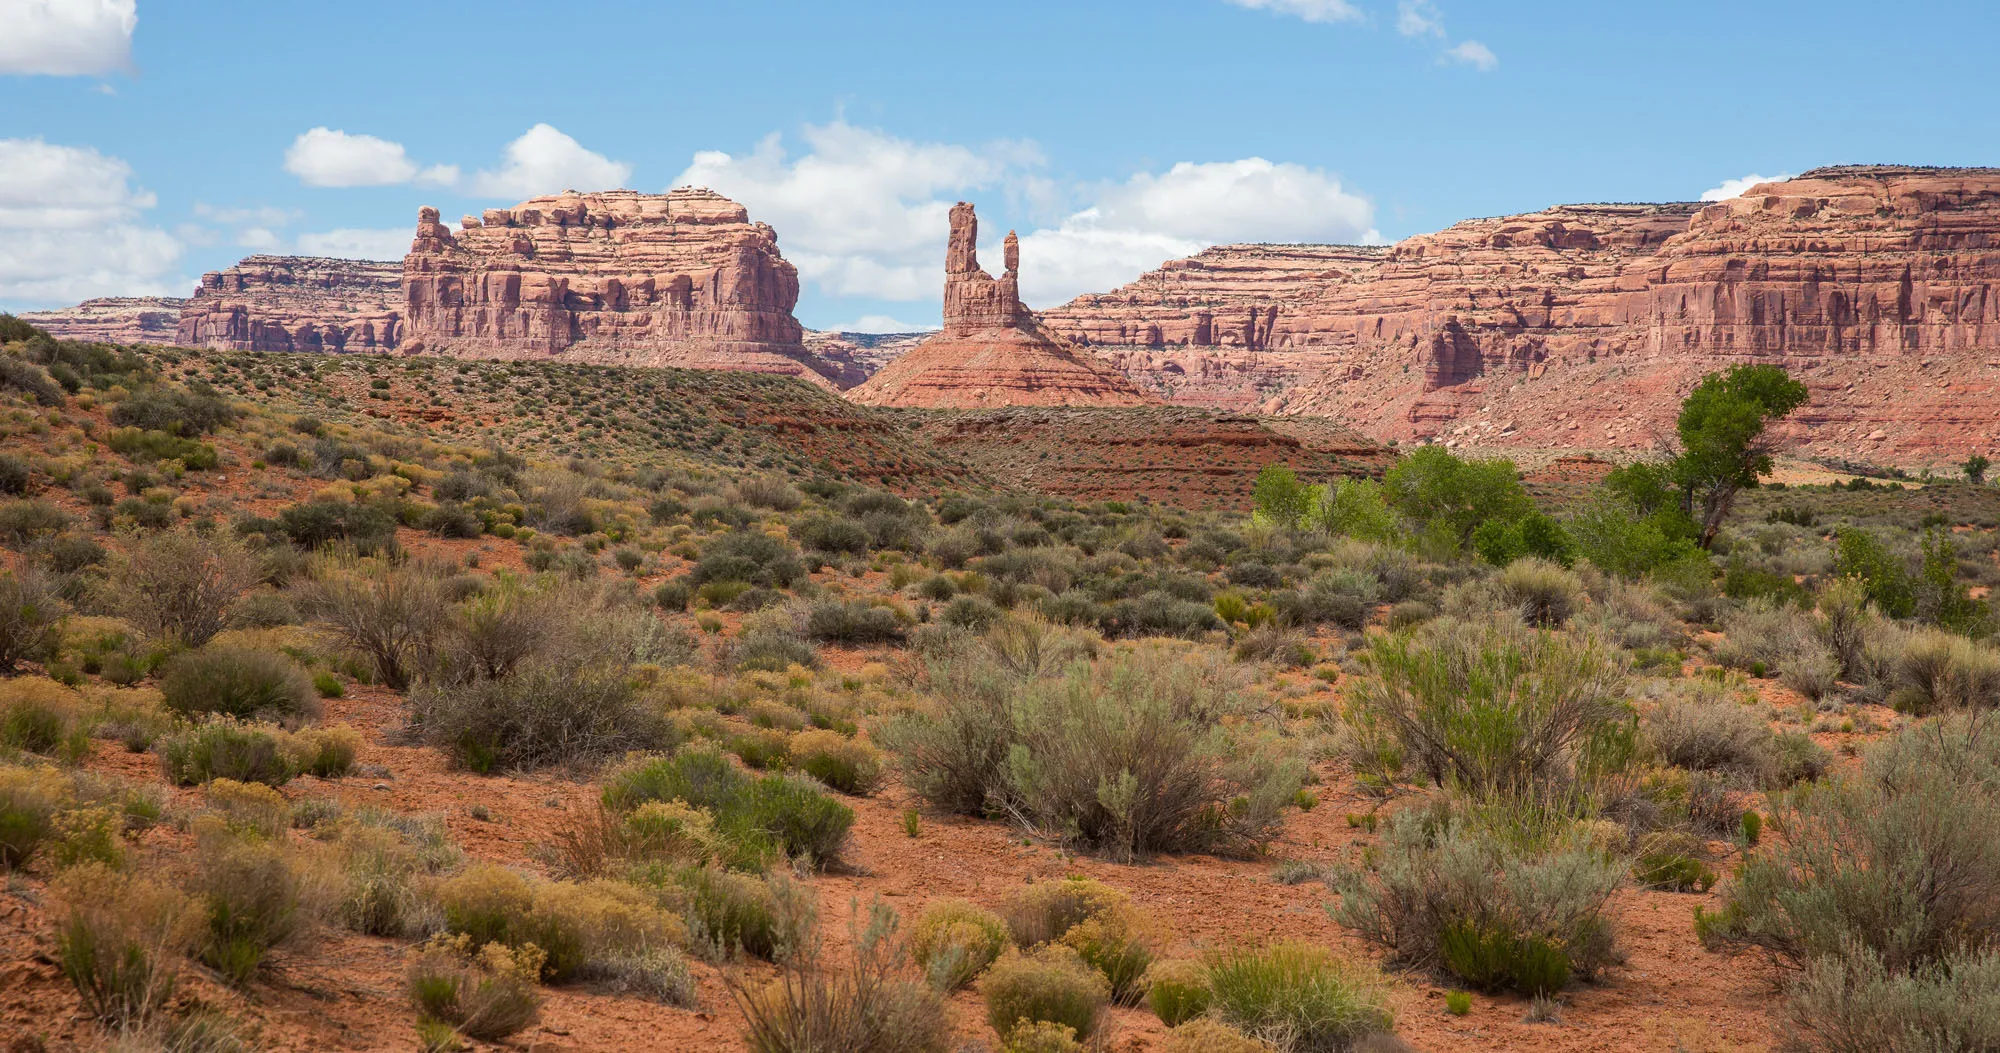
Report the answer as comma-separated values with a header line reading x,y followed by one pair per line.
x,y
677,279
295,303
113,320
992,352
1584,325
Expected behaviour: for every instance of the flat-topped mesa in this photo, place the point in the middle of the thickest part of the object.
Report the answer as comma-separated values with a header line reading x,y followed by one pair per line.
x,y
992,352
113,320
677,279
296,303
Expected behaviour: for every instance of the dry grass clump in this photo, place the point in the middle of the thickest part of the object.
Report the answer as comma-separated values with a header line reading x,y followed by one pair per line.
x,y
1545,593
954,941
1704,728
120,939
1936,670
1208,1035
870,1002
42,716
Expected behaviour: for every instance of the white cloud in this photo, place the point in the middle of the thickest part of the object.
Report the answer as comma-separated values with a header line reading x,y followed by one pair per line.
x,y
1148,219
70,227
545,161
1473,53
259,239
881,323
353,244
861,212
67,37
333,158
1309,10
1735,187
1418,18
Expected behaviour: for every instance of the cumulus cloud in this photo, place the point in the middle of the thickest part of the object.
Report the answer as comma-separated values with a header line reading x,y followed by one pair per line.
x,y
1148,219
391,243
1473,53
1735,187
881,323
1418,18
1309,10
67,37
860,212
333,158
71,227
545,161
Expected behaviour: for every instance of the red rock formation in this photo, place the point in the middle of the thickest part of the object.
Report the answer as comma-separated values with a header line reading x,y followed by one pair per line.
x,y
992,351
848,359
295,303
677,279
1584,325
113,320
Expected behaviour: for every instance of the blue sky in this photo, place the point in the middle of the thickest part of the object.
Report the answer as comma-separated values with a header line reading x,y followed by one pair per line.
x,y
141,145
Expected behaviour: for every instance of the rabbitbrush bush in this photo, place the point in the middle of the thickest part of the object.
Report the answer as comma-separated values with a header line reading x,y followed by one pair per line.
x,y
120,939
954,940
1050,984
1298,996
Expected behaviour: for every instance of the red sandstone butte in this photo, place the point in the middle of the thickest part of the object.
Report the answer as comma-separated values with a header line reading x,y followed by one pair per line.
x,y
113,320
1583,325
992,352
677,279
295,303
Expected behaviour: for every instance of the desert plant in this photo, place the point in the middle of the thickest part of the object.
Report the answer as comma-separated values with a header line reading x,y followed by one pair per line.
x,y
392,615
237,682
30,800
485,994
1050,983
1708,731
1298,996
954,941
181,585
1177,990
845,764
572,923
30,618
120,938
869,1003
545,712
223,747
852,621
251,896
1852,1003
1545,593
1937,670
39,716
1209,1035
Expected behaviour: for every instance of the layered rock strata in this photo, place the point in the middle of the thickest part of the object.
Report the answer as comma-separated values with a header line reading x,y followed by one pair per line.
x,y
113,320
1584,325
295,303
677,279
992,351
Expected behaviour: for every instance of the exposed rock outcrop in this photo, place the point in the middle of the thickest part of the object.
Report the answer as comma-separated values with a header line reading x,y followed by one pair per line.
x,y
296,303
1584,325
677,279
113,320
992,351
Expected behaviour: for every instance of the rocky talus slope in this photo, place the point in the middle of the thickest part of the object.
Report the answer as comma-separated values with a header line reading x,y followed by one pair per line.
x,y
113,320
296,303
992,352
1584,325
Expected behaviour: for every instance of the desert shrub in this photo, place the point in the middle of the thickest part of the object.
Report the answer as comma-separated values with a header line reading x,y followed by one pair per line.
x,y
381,861
392,615
24,521
954,941
1341,597
1854,1004
1177,990
770,642
181,585
485,995
1298,996
15,474
1762,634
194,410
1208,1035
1120,945
30,619
728,912
225,748
264,609
700,776
832,534
852,621
1664,863
793,815
1519,909
237,682
1545,593
40,716
1042,1037
869,1003
845,764
1131,755
1045,911
544,712
30,800
145,446
1858,554
1532,536
1936,670
1899,861
970,612
573,923
120,938
1710,732
750,557
1494,709
1159,613
1796,758
249,807
252,899
29,378
1050,983
69,553
323,752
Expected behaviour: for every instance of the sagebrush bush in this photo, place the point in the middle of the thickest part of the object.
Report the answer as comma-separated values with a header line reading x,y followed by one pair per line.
x,y
868,1003
1937,670
226,748
30,618
380,863
852,621
751,557
1298,996
1851,1003
237,682
953,941
572,923
1050,983
119,938
181,585
542,713
728,912
252,898
1545,593
1521,909
486,993
1493,710
846,764
1709,731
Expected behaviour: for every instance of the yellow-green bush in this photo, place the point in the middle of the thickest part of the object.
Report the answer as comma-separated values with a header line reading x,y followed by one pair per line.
x,y
1204,1035
249,807
486,994
846,764
1049,983
1177,990
42,716
30,799
954,940
574,923
120,939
